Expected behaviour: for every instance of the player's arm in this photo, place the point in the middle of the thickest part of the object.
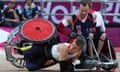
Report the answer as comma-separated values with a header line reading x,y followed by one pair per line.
x,y
36,13
78,55
65,23
63,52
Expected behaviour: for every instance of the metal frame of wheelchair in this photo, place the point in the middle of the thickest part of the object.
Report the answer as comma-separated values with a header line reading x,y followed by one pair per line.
x,y
106,59
13,42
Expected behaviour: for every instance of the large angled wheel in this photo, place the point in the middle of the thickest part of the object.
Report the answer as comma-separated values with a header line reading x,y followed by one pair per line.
x,y
12,43
38,30
32,31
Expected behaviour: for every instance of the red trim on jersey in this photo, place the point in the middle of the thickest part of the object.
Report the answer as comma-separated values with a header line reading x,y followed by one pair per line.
x,y
62,29
76,19
91,11
94,29
90,18
72,39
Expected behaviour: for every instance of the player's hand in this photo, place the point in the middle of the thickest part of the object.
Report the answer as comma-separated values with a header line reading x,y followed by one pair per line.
x,y
91,35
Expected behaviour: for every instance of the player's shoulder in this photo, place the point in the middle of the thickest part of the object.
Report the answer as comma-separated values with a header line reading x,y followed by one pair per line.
x,y
63,44
67,44
90,14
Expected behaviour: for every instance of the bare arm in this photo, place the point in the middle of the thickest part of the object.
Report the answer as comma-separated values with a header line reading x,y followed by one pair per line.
x,y
36,13
65,23
68,22
77,56
15,15
63,52
23,17
36,16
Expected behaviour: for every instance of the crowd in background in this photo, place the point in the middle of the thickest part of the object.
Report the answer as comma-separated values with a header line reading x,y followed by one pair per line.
x,y
10,16
82,23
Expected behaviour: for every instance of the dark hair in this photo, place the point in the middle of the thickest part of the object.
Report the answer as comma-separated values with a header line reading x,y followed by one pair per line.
x,y
79,42
31,0
90,3
86,2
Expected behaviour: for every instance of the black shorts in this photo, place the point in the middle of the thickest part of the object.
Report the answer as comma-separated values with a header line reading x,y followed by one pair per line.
x,y
97,37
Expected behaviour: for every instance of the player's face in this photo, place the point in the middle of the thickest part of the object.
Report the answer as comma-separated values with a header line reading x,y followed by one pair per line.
x,y
29,2
74,46
11,4
83,10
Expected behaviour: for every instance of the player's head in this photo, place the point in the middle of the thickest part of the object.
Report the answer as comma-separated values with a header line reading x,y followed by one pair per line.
x,y
28,2
90,3
84,7
78,42
11,3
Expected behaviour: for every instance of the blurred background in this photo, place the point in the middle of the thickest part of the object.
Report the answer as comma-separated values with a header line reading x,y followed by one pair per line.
x,y
57,10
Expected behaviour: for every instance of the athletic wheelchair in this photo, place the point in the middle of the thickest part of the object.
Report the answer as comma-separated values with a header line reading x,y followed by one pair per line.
x,y
41,31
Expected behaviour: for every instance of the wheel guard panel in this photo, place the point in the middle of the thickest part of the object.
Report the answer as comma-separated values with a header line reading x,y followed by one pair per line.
x,y
37,30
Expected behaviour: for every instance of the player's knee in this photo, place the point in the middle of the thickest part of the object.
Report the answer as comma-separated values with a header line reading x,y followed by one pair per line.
x,y
91,35
103,36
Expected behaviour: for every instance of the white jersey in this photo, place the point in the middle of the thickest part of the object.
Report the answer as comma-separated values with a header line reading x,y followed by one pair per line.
x,y
99,21
56,54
